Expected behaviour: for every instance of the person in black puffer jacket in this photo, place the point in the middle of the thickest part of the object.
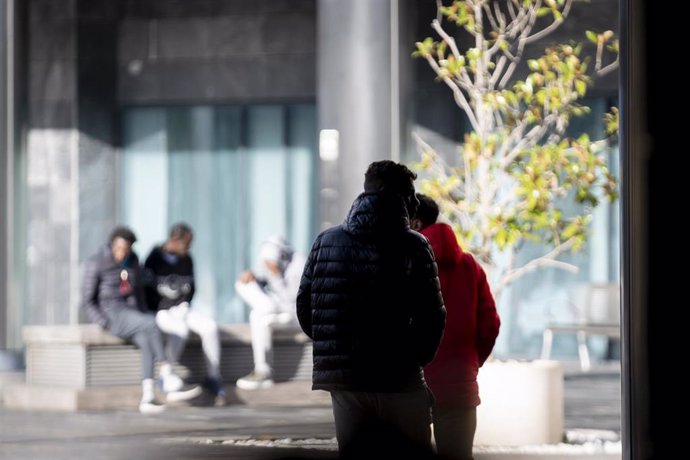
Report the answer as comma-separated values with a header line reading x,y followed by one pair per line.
x,y
370,299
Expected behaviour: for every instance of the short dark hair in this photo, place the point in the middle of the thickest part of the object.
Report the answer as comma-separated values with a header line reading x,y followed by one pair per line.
x,y
388,175
427,211
179,230
123,232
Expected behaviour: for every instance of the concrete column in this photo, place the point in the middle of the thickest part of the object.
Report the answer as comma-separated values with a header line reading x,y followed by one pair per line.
x,y
70,154
354,95
10,216
50,155
4,178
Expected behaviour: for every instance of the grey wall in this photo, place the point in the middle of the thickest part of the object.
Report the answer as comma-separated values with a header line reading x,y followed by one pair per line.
x,y
213,51
97,124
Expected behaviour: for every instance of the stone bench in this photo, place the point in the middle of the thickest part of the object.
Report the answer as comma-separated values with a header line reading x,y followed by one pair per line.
x,y
75,367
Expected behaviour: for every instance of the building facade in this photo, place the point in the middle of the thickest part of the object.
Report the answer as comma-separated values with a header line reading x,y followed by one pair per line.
x,y
243,118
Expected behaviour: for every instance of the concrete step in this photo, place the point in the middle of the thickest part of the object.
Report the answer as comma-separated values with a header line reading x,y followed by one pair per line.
x,y
65,399
8,378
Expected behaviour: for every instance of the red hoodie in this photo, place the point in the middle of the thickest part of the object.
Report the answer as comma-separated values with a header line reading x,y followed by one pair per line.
x,y
471,325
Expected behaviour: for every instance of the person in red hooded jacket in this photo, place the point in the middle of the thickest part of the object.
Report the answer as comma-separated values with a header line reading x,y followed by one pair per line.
x,y
472,326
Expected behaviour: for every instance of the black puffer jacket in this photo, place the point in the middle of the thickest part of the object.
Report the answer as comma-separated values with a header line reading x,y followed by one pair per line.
x,y
370,299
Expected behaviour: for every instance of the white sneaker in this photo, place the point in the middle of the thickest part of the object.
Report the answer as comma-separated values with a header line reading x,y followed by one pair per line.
x,y
255,381
171,382
151,407
183,394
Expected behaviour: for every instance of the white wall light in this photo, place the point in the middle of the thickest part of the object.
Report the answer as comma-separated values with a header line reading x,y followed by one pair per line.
x,y
328,144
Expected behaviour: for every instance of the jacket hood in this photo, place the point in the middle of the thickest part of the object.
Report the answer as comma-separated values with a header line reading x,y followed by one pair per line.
x,y
377,212
444,244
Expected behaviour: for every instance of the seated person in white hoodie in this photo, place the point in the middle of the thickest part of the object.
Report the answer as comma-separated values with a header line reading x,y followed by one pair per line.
x,y
271,293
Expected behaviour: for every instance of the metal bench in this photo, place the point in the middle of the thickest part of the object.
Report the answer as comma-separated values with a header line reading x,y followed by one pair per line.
x,y
597,315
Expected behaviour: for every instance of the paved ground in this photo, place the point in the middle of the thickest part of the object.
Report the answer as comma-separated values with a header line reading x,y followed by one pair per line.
x,y
593,401
278,418
176,435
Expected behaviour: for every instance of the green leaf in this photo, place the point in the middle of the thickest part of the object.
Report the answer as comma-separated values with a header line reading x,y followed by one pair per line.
x,y
543,11
580,87
591,36
441,50
501,238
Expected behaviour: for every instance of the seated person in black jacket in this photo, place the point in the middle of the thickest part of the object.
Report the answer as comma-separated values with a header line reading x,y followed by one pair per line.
x,y
170,291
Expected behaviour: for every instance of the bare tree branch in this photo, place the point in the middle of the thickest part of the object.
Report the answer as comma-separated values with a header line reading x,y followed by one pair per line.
x,y
609,68
529,140
553,26
459,208
600,51
491,51
515,134
479,43
513,65
519,24
468,178
500,17
598,70
490,16
465,80
511,9
497,71
547,260
436,25
457,93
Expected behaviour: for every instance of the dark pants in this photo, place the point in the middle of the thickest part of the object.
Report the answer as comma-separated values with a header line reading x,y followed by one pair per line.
x,y
383,425
454,432
139,328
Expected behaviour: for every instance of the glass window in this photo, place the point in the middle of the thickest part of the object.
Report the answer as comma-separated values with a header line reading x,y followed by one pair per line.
x,y
236,174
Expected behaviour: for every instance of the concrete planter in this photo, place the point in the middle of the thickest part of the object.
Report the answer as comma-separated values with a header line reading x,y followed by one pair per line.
x,y
522,403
